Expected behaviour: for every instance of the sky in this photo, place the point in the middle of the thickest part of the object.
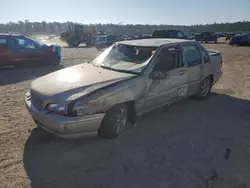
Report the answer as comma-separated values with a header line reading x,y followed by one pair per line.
x,y
171,12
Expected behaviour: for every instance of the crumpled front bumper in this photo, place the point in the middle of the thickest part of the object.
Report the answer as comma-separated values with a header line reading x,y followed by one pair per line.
x,y
62,126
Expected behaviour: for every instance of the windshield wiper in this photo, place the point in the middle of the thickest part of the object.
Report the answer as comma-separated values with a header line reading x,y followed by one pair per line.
x,y
119,70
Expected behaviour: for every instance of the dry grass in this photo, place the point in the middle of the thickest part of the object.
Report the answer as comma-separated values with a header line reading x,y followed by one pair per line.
x,y
179,146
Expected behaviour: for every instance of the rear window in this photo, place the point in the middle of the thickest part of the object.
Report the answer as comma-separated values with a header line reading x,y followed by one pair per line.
x,y
101,39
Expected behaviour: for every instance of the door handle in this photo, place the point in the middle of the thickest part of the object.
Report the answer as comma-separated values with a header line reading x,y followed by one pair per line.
x,y
181,72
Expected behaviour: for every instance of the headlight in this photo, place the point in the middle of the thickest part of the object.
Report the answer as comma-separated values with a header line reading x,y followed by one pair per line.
x,y
57,108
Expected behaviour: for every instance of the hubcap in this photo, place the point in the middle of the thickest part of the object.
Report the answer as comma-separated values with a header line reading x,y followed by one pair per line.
x,y
121,120
205,87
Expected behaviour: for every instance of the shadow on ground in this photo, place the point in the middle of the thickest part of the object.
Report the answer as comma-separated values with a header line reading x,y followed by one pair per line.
x,y
189,144
12,75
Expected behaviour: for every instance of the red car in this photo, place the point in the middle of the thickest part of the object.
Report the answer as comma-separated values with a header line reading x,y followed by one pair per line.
x,y
17,49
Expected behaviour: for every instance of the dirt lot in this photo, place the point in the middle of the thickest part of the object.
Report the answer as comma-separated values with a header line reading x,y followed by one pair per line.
x,y
184,145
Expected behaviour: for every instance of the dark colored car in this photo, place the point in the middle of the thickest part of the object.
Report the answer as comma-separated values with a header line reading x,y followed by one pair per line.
x,y
240,39
104,41
206,37
18,49
166,33
229,36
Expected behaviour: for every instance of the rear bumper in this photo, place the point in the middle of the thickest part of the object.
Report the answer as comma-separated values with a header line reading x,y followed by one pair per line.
x,y
66,127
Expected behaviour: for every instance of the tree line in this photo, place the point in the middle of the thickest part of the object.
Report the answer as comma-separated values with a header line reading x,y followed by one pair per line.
x,y
30,28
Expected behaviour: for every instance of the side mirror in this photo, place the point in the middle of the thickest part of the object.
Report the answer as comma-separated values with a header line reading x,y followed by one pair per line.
x,y
158,75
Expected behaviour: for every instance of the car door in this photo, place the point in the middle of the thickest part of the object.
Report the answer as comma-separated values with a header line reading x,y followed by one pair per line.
x,y
24,50
173,86
192,58
5,54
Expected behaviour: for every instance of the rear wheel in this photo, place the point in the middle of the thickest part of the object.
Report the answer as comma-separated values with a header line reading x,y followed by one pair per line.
x,y
114,121
204,88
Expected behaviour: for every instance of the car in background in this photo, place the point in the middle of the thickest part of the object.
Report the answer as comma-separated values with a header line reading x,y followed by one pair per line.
x,y
229,36
127,37
206,37
146,36
128,79
104,41
240,39
17,49
167,33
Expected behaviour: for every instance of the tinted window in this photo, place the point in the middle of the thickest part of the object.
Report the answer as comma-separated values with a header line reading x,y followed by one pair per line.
x,y
168,60
23,43
111,37
164,34
3,41
180,35
101,39
191,55
172,34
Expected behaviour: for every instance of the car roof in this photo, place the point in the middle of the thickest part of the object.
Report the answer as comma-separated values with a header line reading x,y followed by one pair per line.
x,y
167,30
10,35
154,42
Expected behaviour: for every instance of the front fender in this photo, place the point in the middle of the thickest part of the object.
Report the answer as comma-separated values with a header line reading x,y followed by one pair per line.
x,y
132,90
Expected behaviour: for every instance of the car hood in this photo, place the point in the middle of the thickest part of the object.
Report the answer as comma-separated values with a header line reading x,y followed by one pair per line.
x,y
76,81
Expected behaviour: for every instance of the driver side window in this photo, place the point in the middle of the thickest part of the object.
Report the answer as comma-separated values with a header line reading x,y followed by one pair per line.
x,y
23,43
167,60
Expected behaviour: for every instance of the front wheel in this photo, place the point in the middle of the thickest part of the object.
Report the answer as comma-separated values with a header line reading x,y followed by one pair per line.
x,y
204,88
114,121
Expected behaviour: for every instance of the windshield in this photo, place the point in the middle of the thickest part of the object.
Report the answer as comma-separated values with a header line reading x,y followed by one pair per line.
x,y
101,39
33,41
125,58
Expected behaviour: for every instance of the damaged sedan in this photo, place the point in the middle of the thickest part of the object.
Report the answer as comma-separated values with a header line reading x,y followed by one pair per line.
x,y
129,78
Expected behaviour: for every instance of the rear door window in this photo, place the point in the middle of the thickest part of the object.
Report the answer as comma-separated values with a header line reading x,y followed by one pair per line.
x,y
22,43
191,55
3,41
168,60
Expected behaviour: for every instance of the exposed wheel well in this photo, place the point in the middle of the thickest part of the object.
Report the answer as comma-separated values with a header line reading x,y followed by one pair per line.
x,y
131,111
211,78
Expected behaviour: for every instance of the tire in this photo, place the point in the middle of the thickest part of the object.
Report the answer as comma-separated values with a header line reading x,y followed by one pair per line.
x,y
204,88
206,41
114,121
215,41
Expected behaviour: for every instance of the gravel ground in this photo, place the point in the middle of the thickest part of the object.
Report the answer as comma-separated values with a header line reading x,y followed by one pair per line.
x,y
189,144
